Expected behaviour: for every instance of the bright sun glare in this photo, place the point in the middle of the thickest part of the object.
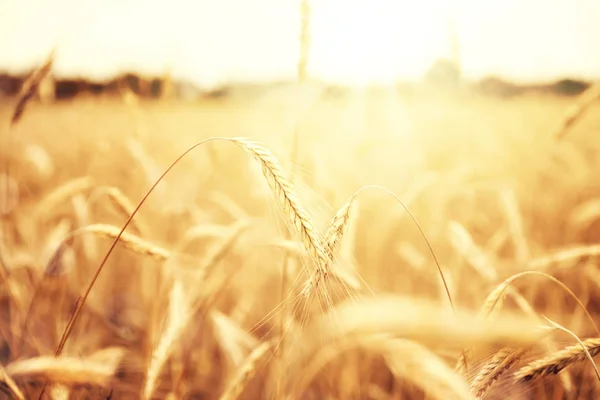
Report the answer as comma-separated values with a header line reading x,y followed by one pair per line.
x,y
352,41
378,42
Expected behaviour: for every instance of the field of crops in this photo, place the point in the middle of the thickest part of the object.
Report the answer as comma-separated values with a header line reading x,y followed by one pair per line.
x,y
300,254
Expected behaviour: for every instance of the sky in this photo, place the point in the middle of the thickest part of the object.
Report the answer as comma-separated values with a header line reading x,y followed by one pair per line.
x,y
352,41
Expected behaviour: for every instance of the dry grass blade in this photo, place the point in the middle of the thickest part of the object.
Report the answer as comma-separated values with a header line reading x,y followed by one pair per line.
x,y
555,363
500,364
247,371
30,88
97,369
10,384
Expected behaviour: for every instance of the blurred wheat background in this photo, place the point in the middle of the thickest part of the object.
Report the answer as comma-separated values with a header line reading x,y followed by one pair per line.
x,y
381,199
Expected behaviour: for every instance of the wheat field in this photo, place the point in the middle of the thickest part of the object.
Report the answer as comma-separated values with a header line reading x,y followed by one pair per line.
x,y
369,245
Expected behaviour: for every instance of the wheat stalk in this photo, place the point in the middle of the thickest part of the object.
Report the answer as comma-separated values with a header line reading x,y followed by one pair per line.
x,y
177,319
247,371
182,309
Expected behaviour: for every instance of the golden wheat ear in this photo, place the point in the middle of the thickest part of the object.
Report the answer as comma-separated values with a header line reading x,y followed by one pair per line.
x,y
555,363
501,363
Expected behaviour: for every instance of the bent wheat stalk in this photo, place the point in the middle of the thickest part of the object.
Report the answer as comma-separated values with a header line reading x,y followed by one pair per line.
x,y
493,303
334,232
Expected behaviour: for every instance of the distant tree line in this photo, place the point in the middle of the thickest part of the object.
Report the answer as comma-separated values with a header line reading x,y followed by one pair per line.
x,y
442,74
445,73
498,87
57,89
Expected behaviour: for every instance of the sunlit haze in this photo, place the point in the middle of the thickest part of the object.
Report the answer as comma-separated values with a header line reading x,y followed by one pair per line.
x,y
352,41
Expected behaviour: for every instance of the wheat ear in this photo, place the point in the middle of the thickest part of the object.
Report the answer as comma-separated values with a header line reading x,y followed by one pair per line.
x,y
555,363
286,194
501,363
